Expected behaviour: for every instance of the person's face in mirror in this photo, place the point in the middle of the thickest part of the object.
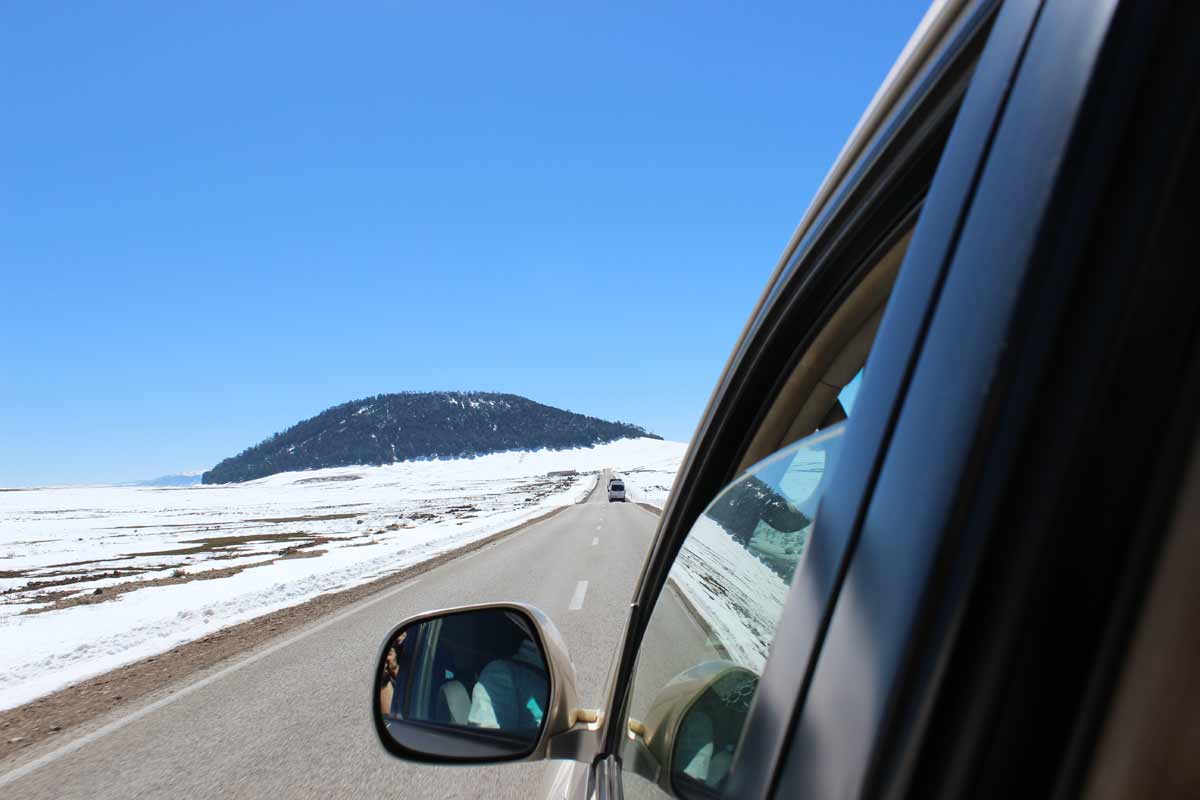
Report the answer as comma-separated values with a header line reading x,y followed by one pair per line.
x,y
388,687
392,662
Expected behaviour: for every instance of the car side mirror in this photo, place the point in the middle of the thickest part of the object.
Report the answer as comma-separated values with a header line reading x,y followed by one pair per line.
x,y
478,684
687,741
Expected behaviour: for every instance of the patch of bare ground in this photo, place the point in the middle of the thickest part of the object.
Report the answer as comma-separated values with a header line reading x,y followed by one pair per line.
x,y
214,544
56,713
307,518
45,583
57,600
217,547
198,525
331,479
74,576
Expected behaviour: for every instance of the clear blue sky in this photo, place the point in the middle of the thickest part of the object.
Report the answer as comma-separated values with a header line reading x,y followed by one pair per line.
x,y
217,219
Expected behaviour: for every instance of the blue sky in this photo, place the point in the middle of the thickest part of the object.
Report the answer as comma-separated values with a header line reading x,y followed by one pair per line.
x,y
219,219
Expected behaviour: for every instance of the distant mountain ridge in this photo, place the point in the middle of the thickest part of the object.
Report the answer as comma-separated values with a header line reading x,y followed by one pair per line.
x,y
409,425
182,479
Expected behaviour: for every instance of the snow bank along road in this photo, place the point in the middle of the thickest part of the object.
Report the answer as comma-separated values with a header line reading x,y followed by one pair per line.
x,y
92,578
290,719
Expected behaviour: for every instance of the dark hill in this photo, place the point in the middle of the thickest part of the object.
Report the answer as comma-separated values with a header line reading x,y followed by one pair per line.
x,y
398,427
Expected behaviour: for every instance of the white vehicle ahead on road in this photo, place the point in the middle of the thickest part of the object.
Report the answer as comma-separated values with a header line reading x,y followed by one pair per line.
x,y
616,490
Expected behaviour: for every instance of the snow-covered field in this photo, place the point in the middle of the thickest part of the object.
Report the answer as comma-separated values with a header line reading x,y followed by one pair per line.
x,y
651,482
735,593
738,596
95,577
738,588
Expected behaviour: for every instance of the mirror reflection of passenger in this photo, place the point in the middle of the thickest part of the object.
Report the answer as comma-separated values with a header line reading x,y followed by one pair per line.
x,y
696,750
511,694
391,679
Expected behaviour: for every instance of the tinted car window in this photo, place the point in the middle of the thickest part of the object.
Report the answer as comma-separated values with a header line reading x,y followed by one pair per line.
x,y
712,628
710,632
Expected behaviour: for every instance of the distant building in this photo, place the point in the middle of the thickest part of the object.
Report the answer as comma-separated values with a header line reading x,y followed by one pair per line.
x,y
562,473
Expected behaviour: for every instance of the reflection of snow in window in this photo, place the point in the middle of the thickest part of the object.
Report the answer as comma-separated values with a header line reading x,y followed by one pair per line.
x,y
739,598
740,556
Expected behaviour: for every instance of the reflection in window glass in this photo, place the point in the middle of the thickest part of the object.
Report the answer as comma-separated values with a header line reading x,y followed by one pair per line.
x,y
738,560
712,627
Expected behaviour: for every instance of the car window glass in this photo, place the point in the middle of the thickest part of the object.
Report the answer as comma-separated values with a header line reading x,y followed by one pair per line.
x,y
710,632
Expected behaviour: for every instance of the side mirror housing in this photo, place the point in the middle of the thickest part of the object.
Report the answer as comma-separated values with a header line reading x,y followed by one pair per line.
x,y
687,741
477,685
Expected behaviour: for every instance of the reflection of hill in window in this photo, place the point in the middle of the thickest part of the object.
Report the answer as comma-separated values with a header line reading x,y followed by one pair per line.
x,y
779,550
763,522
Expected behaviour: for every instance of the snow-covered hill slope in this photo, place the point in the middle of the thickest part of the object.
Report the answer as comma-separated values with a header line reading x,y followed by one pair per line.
x,y
389,428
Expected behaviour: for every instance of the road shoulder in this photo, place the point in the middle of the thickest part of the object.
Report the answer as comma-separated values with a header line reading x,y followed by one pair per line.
x,y
56,714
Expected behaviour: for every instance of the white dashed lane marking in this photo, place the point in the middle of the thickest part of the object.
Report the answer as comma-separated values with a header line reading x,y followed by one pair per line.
x,y
595,541
577,598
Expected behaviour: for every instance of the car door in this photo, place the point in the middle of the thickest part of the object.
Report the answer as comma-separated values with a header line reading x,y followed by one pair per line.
x,y
1028,483
745,573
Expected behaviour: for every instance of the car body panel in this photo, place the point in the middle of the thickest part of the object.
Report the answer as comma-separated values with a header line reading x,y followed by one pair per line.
x,y
881,661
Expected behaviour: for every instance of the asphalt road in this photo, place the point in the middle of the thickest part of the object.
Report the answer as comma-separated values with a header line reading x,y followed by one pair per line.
x,y
290,718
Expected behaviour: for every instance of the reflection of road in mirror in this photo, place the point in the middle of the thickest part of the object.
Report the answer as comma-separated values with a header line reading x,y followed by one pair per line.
x,y
472,684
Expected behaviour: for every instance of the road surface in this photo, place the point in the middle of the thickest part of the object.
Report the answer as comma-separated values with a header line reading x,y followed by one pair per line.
x,y
290,718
